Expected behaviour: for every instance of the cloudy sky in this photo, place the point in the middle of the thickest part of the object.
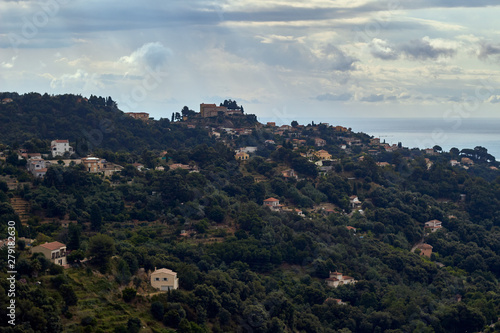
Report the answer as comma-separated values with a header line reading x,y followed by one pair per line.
x,y
280,59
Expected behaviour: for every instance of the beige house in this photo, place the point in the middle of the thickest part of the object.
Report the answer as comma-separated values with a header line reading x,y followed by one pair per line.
x,y
164,279
242,156
322,155
337,279
425,250
54,251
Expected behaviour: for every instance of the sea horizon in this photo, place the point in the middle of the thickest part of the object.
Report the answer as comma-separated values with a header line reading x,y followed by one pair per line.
x,y
423,132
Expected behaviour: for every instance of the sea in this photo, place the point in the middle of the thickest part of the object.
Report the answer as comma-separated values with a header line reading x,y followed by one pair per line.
x,y
428,132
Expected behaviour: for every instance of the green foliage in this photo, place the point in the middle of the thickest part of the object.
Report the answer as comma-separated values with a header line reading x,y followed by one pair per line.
x,y
101,248
128,294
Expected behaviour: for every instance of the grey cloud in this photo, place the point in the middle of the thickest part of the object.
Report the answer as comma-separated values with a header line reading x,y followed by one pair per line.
x,y
373,98
334,97
338,59
421,49
418,49
486,50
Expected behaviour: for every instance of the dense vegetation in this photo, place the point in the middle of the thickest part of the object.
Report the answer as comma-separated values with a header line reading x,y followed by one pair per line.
x,y
245,268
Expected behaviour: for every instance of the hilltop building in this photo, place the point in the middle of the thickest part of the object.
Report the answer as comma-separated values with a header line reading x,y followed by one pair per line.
x,y
138,115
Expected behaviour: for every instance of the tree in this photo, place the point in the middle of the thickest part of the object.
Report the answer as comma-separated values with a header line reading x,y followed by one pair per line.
x,y
101,248
128,294
95,217
157,310
294,123
74,231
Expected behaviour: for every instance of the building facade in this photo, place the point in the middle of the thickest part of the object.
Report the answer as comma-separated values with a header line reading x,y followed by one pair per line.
x,y
60,147
54,251
164,279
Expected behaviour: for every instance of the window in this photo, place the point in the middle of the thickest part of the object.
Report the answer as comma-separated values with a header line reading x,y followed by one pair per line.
x,y
165,279
157,279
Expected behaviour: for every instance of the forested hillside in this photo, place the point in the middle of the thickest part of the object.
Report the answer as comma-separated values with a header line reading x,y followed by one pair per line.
x,y
94,123
243,267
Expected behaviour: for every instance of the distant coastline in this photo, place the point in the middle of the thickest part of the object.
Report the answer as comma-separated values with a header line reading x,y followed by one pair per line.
x,y
425,132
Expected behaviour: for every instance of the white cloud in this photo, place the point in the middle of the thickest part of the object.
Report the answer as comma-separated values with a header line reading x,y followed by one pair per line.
x,y
153,55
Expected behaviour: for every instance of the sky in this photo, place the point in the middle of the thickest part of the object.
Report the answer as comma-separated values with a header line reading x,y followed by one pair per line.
x,y
282,60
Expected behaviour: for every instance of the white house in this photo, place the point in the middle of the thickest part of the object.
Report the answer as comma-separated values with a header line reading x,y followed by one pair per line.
x,y
433,225
337,279
59,147
38,166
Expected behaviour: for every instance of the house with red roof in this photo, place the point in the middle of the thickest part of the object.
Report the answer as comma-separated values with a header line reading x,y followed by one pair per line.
x,y
337,279
54,251
432,226
273,203
60,147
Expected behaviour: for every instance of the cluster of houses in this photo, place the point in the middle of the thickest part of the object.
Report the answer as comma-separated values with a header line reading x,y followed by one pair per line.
x,y
162,279
37,164
275,206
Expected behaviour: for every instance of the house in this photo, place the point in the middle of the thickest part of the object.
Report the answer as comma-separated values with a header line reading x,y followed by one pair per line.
x,y
212,110
337,279
273,203
375,141
92,164
190,168
54,251
138,115
433,225
430,151
341,129
269,142
164,279
351,228
353,199
425,250
382,164
322,155
271,124
60,147
290,173
467,161
334,301
318,142
7,100
37,166
247,150
138,166
241,156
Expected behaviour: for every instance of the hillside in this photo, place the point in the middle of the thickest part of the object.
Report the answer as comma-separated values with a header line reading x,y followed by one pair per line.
x,y
244,265
89,124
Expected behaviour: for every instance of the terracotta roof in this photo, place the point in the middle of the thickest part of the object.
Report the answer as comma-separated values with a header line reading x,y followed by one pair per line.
x,y
164,270
271,200
424,246
53,246
61,141
332,279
